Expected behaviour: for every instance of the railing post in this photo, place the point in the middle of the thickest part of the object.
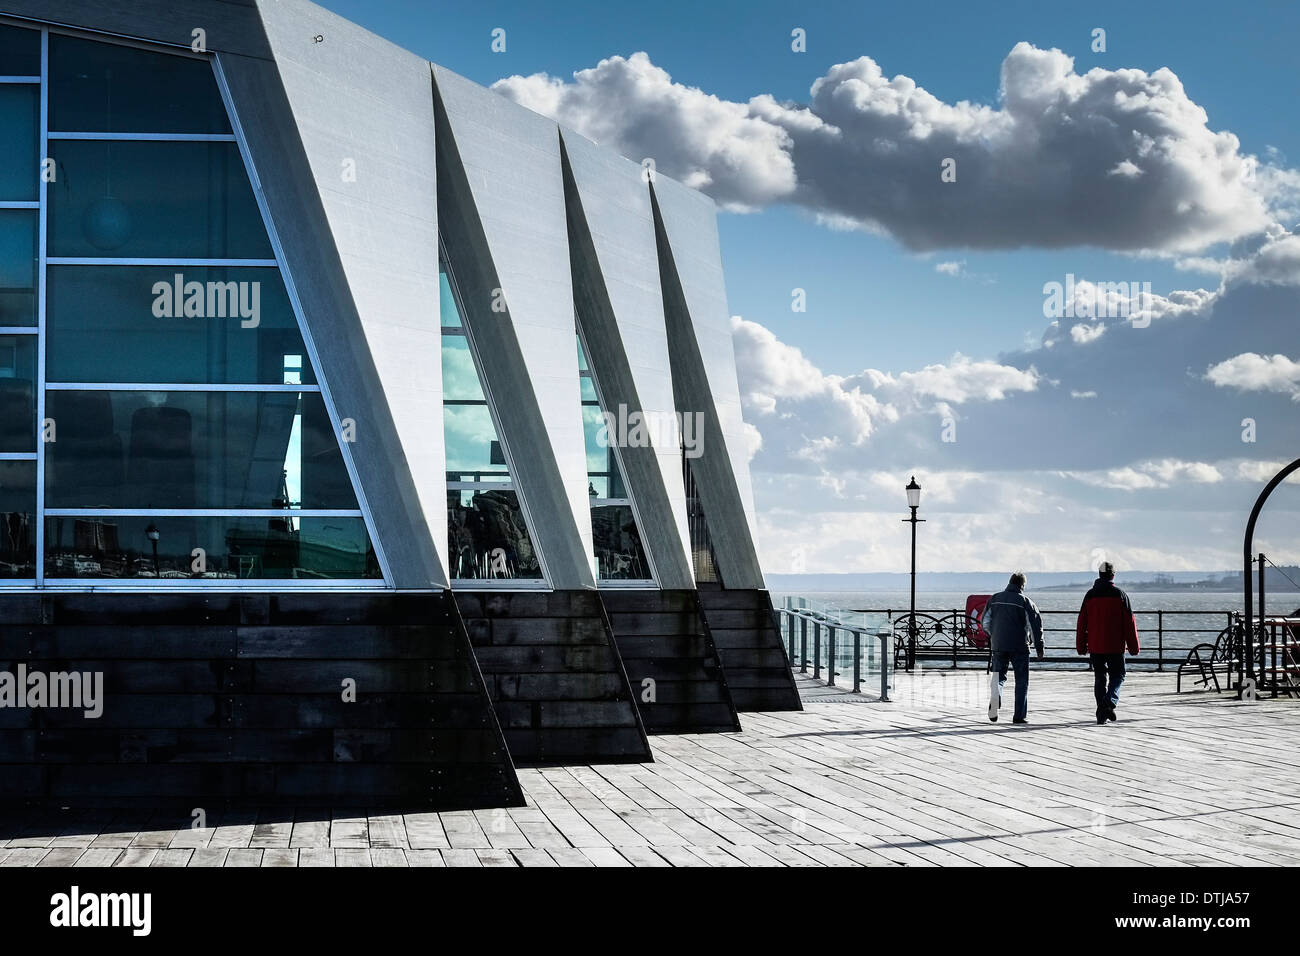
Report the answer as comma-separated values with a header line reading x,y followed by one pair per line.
x,y
857,660
885,639
956,632
803,645
1160,631
830,655
789,620
1232,652
817,650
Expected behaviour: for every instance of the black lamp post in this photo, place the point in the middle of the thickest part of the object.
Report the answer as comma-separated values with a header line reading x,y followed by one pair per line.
x,y
913,501
153,534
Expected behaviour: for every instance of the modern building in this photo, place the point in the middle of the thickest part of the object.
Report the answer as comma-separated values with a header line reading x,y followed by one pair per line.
x,y
365,432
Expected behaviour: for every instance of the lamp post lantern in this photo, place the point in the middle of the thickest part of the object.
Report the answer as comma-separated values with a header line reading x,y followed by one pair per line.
x,y
913,501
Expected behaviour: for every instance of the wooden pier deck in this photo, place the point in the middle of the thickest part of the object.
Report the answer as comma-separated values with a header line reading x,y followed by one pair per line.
x,y
1196,779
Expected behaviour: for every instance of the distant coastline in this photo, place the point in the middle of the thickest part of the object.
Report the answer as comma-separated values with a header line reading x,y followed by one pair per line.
x,y
984,582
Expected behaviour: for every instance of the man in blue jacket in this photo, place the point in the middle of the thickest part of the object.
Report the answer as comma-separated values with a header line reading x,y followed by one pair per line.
x,y
1013,624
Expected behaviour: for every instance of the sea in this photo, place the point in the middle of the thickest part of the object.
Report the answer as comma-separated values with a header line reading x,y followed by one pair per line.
x,y
1169,622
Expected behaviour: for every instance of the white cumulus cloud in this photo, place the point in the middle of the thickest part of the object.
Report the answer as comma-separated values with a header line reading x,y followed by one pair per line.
x,y
1120,159
1251,372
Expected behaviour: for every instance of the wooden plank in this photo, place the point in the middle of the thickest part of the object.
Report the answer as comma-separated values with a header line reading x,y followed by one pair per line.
x,y
533,857
172,857
98,856
460,857
425,858
137,856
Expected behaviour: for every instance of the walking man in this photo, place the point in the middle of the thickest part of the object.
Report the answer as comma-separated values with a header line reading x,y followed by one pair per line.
x,y
1106,627
1012,623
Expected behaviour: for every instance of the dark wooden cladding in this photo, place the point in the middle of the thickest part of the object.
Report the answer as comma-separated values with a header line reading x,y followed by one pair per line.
x,y
555,676
742,624
661,637
226,700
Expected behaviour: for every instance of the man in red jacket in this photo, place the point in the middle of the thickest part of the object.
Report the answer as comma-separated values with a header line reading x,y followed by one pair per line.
x,y
1106,627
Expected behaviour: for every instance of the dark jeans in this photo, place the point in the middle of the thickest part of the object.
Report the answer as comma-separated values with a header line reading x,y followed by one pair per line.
x,y
1107,676
1019,662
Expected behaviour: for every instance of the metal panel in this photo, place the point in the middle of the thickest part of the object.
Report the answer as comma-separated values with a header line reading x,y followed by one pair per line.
x,y
508,159
230,26
364,112
704,373
616,279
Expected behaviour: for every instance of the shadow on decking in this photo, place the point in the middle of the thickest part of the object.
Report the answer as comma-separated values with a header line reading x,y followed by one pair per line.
x,y
43,827
927,732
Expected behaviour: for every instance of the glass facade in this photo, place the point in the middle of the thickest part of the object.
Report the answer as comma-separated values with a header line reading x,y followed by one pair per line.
x,y
618,554
190,449
20,105
19,263
107,88
487,532
150,199
18,393
226,326
160,418
189,548
20,52
17,519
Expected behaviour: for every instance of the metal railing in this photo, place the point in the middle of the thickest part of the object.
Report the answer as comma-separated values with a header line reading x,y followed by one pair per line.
x,y
798,624
1173,633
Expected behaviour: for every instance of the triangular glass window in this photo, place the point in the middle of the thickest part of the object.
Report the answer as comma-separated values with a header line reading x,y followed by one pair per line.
x,y
487,532
617,552
704,563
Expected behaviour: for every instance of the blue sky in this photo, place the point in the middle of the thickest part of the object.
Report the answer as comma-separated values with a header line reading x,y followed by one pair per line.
x,y
1101,439
1239,71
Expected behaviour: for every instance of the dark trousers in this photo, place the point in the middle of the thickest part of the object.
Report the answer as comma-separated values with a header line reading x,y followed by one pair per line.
x,y
1107,676
1019,662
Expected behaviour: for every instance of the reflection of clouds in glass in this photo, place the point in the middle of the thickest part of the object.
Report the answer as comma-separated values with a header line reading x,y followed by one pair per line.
x,y
459,377
469,435
592,423
447,303
293,462
346,535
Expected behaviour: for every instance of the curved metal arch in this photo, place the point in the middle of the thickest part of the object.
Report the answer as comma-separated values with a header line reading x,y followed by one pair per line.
x,y
1248,579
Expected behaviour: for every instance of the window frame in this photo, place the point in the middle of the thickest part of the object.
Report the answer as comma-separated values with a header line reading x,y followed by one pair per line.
x,y
630,584
42,385
511,484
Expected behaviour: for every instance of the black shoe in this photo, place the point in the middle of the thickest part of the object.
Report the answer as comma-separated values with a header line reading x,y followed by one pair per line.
x,y
994,719
1101,717
1020,720
1110,713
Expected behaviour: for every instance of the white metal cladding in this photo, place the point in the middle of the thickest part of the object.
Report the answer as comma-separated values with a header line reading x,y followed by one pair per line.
x,y
511,158
616,205
690,221
364,112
